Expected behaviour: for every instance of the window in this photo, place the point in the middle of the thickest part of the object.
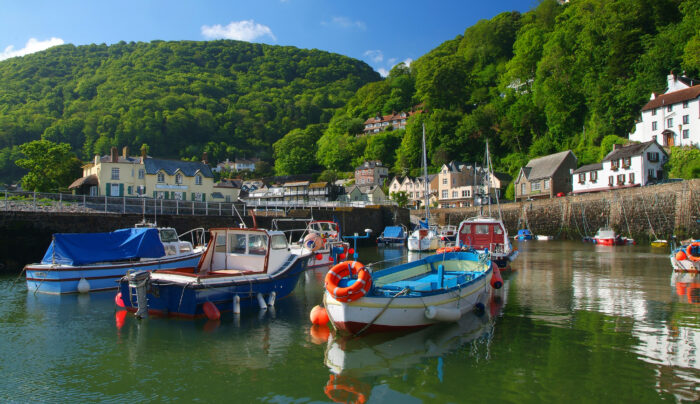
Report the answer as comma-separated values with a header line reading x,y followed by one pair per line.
x,y
627,162
631,178
160,195
621,179
141,190
444,181
466,229
129,190
142,173
522,189
161,177
220,245
653,156
444,193
236,243
685,104
582,178
257,244
454,181
178,195
115,173
178,178
614,164
454,194
611,180
686,119
278,242
535,186
594,176
114,191
669,108
546,184
686,133
465,193
669,122
654,125
497,230
650,173
198,196
653,111
481,229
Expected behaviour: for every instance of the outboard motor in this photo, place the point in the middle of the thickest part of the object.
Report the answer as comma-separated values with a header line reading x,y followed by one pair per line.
x,y
138,281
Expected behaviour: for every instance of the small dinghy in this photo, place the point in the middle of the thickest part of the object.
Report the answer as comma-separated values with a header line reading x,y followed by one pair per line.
x,y
437,288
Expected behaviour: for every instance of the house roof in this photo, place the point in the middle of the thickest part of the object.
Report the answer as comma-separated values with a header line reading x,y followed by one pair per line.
x,y
121,159
588,167
318,185
634,149
89,180
502,176
545,166
228,183
391,117
296,184
673,98
188,168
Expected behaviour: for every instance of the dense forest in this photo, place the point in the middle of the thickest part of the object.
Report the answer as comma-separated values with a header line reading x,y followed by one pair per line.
x,y
228,98
571,76
559,77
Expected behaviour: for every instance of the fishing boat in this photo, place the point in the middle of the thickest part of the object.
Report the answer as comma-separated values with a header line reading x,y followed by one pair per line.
x,y
686,258
448,233
393,236
241,268
524,234
488,234
433,289
607,236
86,262
659,243
424,238
327,232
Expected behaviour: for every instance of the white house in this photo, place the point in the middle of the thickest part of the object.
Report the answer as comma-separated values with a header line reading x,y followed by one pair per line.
x,y
628,166
672,118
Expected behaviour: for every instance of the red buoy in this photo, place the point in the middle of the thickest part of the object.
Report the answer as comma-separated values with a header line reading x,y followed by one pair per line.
x,y
118,300
211,311
351,251
341,256
318,315
496,279
319,257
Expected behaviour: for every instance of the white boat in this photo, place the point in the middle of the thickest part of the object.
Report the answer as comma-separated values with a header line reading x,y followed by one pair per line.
x,y
437,288
686,258
424,238
448,233
88,262
321,236
540,237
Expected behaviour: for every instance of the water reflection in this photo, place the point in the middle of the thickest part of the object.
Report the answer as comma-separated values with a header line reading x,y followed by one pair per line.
x,y
687,286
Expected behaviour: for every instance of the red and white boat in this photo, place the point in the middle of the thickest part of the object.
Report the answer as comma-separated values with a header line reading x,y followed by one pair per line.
x,y
607,236
484,233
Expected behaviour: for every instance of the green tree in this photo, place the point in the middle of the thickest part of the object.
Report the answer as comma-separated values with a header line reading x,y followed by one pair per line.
x,y
50,166
400,197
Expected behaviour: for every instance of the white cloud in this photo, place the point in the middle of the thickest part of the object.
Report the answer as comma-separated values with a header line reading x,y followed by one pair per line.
x,y
375,56
32,45
246,30
383,72
344,22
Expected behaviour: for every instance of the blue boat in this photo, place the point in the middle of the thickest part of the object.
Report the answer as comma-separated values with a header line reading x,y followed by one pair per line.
x,y
241,269
524,234
86,262
393,236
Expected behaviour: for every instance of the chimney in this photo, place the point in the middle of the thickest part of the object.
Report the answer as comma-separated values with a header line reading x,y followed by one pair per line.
x,y
97,159
114,155
143,154
125,152
204,158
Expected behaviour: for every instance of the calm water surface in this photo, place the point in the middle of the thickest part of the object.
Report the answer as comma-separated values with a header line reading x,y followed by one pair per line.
x,y
574,322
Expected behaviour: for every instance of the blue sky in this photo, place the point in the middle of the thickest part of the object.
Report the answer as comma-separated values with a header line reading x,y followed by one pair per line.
x,y
382,33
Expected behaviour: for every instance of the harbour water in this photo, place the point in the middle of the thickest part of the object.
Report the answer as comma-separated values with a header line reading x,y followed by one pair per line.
x,y
574,322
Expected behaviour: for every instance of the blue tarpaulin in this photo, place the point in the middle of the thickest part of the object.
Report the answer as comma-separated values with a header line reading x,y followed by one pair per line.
x,y
393,232
422,224
89,248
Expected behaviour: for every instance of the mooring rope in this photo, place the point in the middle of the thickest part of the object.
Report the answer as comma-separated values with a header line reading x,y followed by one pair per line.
x,y
403,291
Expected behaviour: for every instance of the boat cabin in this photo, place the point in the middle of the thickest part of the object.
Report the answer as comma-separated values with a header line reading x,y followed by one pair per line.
x,y
325,229
481,234
244,251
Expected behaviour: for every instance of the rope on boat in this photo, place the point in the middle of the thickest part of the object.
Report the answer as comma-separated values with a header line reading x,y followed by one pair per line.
x,y
649,221
403,291
624,214
19,276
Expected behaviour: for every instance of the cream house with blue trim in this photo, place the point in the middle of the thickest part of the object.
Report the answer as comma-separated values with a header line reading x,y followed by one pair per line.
x,y
144,176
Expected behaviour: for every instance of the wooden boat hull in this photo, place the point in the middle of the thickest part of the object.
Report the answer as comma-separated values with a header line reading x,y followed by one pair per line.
x,y
60,279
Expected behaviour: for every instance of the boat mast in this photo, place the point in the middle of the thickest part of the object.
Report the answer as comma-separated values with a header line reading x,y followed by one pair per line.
x,y
425,179
489,170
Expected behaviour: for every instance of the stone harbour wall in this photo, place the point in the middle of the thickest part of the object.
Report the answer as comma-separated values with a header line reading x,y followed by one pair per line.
x,y
644,213
25,235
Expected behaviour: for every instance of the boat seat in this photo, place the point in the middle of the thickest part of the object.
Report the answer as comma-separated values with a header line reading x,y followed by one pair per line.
x,y
231,272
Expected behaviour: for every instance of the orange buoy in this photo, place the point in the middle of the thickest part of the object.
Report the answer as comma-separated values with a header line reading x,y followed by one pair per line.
x,y
118,300
680,256
319,333
496,279
211,311
318,315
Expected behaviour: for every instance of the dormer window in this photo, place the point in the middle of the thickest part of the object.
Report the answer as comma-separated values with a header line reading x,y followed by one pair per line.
x,y
198,179
669,108
178,179
161,177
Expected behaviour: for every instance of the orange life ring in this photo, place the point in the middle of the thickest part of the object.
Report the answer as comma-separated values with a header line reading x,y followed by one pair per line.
x,y
689,251
354,291
448,249
351,395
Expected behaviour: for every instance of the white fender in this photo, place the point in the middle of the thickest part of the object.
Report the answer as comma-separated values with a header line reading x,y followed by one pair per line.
x,y
442,314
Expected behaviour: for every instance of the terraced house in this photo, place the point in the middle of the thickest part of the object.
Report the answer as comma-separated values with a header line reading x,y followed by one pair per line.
x,y
545,177
144,176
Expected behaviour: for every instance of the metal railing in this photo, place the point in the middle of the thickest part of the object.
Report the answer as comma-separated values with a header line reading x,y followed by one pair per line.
x,y
52,202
